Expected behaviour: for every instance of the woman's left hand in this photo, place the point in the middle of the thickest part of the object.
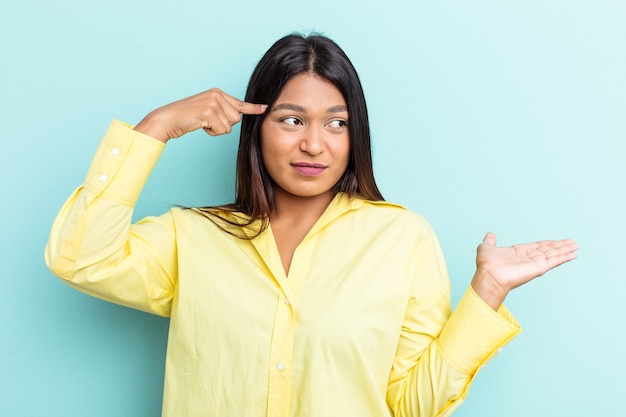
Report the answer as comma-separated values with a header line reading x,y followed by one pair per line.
x,y
501,269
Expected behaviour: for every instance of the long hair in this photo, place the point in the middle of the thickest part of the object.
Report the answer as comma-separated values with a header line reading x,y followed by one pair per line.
x,y
289,56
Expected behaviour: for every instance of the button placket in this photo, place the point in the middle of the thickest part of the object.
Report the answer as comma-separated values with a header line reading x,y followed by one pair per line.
x,y
281,351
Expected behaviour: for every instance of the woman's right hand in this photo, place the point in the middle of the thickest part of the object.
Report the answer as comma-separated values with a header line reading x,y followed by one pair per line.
x,y
214,111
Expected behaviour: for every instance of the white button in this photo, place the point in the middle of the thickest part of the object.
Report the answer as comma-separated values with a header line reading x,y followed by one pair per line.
x,y
115,151
287,301
103,178
280,366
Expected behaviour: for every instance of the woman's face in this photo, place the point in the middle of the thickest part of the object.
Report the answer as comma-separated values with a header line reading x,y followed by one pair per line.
x,y
304,138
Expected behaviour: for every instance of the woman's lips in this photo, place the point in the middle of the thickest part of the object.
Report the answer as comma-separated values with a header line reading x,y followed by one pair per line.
x,y
309,169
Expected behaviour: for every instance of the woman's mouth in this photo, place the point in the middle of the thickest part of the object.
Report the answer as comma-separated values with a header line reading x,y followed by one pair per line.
x,y
309,169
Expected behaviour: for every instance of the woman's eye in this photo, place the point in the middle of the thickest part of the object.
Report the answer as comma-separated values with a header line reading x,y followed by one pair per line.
x,y
292,121
338,124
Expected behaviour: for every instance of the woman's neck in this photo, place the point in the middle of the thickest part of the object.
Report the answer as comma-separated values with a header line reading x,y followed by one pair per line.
x,y
294,209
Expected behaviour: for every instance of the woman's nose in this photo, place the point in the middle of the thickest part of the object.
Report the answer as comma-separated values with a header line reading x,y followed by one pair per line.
x,y
312,141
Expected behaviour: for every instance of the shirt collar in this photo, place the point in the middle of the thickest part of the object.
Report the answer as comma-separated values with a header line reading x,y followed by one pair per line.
x,y
341,204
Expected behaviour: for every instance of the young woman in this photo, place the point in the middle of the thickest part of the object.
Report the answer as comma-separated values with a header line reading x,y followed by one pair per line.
x,y
309,295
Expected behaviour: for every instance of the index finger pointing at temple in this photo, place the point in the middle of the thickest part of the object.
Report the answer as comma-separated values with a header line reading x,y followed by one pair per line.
x,y
246,108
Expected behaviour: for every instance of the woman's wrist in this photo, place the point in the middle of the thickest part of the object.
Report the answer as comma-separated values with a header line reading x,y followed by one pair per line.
x,y
151,126
491,292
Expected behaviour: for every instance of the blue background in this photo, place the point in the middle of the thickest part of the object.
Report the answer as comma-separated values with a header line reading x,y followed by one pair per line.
x,y
486,115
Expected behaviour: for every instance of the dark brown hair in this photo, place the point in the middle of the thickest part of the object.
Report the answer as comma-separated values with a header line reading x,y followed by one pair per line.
x,y
290,56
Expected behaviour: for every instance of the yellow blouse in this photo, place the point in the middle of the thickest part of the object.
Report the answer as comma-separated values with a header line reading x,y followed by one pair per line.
x,y
361,326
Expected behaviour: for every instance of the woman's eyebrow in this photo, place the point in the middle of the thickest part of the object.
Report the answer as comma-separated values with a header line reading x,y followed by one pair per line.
x,y
295,107
337,109
289,106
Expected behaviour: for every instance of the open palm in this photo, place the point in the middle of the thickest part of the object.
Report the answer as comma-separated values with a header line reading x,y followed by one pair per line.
x,y
516,265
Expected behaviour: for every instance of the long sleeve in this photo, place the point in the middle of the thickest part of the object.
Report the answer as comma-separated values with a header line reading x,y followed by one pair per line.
x,y
439,353
92,244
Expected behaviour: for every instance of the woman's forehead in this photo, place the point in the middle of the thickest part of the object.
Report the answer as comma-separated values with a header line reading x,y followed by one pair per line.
x,y
309,91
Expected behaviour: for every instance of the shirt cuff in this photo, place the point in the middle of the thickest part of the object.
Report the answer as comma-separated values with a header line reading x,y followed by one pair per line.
x,y
475,333
122,164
